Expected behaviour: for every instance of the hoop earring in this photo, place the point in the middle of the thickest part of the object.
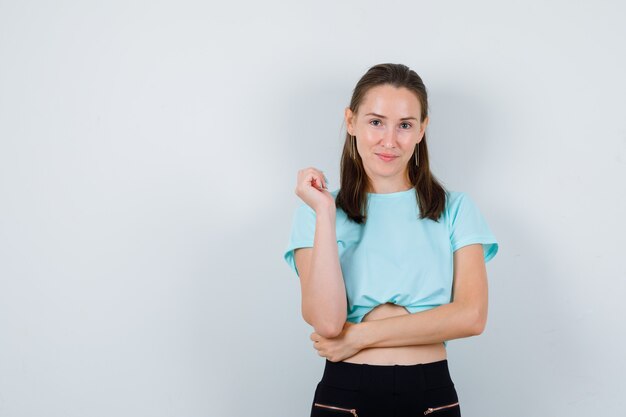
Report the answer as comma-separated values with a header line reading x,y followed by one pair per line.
x,y
352,147
417,147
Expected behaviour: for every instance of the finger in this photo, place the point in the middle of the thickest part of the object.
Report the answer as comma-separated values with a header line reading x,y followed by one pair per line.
x,y
319,176
324,179
314,178
317,183
305,175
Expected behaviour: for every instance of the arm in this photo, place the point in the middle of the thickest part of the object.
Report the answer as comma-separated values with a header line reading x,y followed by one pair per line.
x,y
464,316
324,304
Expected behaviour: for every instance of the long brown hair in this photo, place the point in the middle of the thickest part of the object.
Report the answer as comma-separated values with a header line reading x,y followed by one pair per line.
x,y
352,197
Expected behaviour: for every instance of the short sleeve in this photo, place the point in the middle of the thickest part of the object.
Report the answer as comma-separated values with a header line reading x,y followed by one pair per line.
x,y
302,233
467,225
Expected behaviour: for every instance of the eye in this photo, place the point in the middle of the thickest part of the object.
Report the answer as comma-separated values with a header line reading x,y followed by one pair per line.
x,y
375,121
408,125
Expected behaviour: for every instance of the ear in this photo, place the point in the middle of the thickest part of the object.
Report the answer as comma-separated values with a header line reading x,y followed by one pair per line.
x,y
423,127
348,117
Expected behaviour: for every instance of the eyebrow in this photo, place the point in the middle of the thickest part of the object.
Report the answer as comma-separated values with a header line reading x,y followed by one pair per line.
x,y
383,117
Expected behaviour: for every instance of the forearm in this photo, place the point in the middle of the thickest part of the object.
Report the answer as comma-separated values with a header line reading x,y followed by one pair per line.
x,y
442,323
324,294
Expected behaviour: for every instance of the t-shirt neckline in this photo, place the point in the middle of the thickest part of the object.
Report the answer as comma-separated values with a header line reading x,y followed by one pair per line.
x,y
379,196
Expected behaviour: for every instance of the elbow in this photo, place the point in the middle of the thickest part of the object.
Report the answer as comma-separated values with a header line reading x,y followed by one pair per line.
x,y
333,327
325,327
478,322
329,331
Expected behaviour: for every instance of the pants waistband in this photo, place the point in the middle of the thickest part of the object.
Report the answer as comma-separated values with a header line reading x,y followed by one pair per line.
x,y
386,378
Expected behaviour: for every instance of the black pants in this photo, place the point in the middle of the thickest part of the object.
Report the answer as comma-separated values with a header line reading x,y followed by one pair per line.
x,y
364,390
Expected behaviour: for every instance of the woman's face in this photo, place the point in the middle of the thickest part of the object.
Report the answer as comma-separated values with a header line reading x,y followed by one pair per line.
x,y
387,129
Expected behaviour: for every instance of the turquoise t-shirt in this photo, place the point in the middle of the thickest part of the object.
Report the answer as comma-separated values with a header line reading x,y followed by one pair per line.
x,y
395,256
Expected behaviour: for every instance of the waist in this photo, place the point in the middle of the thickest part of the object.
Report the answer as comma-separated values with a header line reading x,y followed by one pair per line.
x,y
386,378
396,355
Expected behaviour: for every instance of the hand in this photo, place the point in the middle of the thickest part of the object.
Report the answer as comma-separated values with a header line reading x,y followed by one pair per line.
x,y
340,347
312,188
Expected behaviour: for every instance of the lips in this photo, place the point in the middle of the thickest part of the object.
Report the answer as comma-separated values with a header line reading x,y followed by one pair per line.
x,y
386,157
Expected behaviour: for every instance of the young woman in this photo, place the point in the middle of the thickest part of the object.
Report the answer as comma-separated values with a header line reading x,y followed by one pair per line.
x,y
391,264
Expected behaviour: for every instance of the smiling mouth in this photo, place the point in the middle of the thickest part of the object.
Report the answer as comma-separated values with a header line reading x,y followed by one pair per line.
x,y
386,157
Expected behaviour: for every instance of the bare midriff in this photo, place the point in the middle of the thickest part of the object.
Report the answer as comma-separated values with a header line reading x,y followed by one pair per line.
x,y
396,355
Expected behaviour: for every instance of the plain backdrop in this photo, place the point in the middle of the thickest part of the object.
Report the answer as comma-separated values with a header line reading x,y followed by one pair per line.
x,y
148,159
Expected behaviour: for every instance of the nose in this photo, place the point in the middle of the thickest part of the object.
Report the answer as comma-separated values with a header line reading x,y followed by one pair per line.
x,y
389,138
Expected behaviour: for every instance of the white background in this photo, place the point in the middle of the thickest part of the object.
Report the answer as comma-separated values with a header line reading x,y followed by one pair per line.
x,y
148,158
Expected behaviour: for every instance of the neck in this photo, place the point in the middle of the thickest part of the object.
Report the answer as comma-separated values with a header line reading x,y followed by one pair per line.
x,y
388,188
